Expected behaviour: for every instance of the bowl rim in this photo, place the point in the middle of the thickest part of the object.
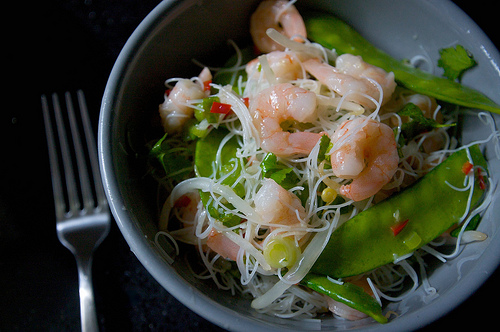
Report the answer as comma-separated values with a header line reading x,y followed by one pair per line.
x,y
172,282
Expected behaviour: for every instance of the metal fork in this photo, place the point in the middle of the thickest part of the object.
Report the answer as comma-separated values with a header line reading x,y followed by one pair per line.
x,y
82,214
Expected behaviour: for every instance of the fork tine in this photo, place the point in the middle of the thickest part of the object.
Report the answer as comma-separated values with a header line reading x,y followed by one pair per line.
x,y
69,176
91,146
87,199
60,206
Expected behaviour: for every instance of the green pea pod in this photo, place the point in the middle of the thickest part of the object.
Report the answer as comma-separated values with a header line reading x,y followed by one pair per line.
x,y
206,151
403,222
332,32
347,293
205,156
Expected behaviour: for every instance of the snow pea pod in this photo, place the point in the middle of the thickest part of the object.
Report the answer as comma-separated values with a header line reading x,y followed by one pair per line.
x,y
403,222
206,162
206,152
347,293
332,32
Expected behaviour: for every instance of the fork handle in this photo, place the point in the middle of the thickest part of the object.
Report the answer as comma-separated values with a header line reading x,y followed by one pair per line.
x,y
86,291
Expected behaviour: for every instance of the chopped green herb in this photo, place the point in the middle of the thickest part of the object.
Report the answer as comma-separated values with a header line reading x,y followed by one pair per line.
x,y
455,61
325,145
175,159
227,219
279,172
418,122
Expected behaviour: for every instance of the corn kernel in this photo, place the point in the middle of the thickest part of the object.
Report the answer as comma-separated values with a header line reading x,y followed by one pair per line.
x,y
328,195
413,240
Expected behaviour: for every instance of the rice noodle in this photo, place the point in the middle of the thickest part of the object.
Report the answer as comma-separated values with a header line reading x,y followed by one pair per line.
x,y
275,289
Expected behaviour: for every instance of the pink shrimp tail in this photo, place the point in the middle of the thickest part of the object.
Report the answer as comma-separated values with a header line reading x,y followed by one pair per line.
x,y
368,154
222,245
287,144
377,174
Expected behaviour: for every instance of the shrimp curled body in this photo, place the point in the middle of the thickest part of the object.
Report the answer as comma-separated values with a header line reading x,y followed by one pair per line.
x,y
279,15
276,205
363,150
284,65
176,110
354,77
278,103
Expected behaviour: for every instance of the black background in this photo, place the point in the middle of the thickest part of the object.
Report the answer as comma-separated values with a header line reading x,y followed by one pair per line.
x,y
57,46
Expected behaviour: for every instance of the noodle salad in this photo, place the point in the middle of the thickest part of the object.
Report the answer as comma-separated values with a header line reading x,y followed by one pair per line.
x,y
277,155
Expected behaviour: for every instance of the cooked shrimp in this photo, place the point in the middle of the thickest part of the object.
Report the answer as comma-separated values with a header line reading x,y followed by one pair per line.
x,y
284,65
343,310
222,245
187,209
354,77
363,150
280,15
176,110
275,205
276,104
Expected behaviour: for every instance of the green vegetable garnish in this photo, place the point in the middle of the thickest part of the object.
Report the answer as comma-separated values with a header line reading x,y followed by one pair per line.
x,y
279,172
205,159
368,240
347,293
206,152
281,252
418,122
227,219
331,32
455,61
204,112
175,159
325,145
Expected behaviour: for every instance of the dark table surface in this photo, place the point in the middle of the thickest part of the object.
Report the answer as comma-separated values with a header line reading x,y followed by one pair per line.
x,y
60,45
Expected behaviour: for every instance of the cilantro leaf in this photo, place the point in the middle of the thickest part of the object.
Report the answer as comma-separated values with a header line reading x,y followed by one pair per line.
x,y
227,219
285,178
270,164
325,145
455,61
279,172
418,122
175,159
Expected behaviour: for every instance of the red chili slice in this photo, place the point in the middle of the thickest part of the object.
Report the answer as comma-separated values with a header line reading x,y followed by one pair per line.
x,y
397,228
220,108
466,167
246,101
482,183
206,85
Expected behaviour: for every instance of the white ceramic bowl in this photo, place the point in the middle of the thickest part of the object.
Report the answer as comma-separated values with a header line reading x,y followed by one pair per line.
x,y
176,32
